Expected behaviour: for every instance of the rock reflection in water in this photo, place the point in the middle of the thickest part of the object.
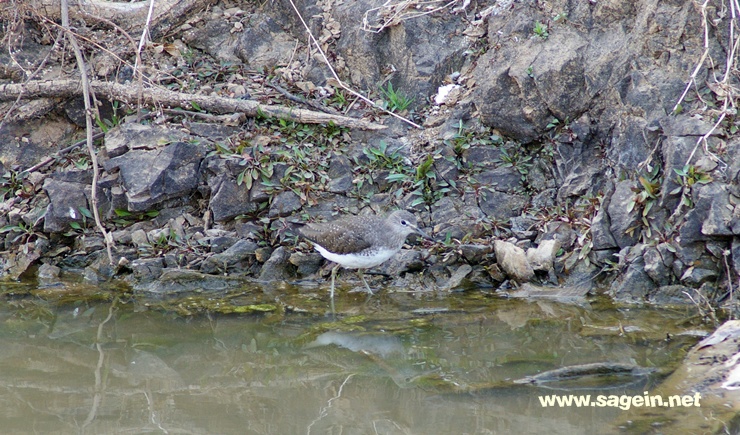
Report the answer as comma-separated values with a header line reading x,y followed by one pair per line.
x,y
383,345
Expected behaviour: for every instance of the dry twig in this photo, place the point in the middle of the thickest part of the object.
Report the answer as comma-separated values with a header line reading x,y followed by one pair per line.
x,y
338,80
88,127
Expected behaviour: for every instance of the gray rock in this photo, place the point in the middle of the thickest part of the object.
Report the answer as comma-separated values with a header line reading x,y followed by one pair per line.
x,y
523,84
735,252
719,216
689,253
306,264
90,243
657,267
236,258
262,44
153,176
482,156
601,234
735,221
132,135
513,261
277,267
48,273
407,260
501,179
139,238
263,254
220,244
634,285
629,147
696,276
457,277
284,204
502,206
146,269
474,254
544,199
420,61
454,219
340,173
620,218
65,201
695,220
524,227
562,231
671,295
228,199
179,281
540,176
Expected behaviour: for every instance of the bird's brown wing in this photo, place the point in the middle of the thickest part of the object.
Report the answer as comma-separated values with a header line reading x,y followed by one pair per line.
x,y
338,242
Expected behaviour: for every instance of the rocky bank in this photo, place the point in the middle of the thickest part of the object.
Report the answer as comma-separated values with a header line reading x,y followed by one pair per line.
x,y
575,145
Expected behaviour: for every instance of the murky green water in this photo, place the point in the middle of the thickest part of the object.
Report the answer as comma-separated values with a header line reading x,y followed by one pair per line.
x,y
397,363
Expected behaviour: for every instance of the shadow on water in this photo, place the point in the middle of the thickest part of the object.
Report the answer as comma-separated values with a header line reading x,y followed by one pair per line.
x,y
396,363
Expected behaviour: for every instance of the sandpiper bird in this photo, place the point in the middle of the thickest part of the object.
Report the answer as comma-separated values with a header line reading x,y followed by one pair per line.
x,y
361,242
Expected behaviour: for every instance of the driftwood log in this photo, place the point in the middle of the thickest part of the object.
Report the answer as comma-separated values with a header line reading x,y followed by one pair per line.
x,y
166,14
167,98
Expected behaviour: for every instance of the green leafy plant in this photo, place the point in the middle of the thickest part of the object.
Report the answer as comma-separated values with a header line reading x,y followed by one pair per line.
x,y
11,184
687,177
552,124
106,124
516,159
424,184
382,158
646,196
257,164
540,30
25,232
395,101
562,16
78,227
82,163
338,100
125,217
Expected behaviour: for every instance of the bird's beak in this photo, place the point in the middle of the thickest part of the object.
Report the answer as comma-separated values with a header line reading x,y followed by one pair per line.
x,y
423,234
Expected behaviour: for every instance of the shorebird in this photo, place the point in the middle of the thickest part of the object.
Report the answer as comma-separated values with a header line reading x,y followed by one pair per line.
x,y
361,242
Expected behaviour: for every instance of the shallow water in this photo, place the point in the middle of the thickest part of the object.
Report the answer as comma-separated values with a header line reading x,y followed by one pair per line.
x,y
396,363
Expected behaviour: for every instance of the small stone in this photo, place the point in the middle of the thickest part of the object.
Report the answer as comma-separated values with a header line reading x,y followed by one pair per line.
x,y
284,204
138,238
513,260
263,254
48,272
542,257
276,268
306,264
474,254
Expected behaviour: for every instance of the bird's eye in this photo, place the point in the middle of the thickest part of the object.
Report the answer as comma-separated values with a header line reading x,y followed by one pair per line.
x,y
403,222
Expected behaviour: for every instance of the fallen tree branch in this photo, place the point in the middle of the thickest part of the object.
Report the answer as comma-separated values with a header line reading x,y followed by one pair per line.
x,y
160,96
166,14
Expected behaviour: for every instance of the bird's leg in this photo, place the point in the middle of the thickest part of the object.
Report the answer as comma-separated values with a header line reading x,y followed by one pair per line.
x,y
333,274
359,272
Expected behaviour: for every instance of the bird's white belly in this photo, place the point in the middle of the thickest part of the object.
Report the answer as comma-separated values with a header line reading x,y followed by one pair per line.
x,y
354,261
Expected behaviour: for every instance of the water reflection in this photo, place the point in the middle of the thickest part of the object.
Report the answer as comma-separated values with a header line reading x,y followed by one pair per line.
x,y
399,364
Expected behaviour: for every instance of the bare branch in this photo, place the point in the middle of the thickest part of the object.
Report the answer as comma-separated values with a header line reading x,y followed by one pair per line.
x,y
152,95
